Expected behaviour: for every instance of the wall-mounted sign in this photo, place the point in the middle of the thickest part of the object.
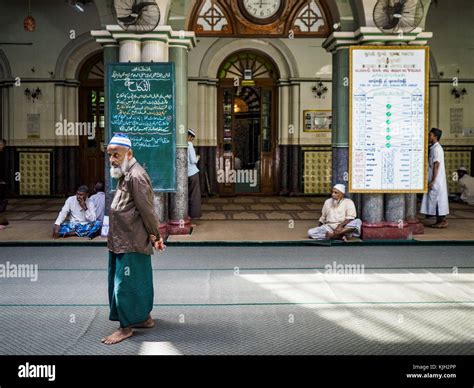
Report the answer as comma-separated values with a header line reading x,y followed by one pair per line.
x,y
142,104
388,111
33,130
456,118
317,120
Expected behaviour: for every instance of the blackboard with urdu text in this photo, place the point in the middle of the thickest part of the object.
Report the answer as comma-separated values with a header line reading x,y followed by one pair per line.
x,y
141,104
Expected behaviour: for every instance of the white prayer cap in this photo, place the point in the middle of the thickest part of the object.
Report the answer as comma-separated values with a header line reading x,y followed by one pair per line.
x,y
462,169
192,132
121,139
340,188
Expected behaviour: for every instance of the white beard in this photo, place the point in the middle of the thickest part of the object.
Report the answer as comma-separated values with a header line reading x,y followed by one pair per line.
x,y
119,172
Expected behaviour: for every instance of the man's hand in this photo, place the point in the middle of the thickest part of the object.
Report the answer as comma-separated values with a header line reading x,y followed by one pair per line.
x,y
430,185
82,203
56,231
159,245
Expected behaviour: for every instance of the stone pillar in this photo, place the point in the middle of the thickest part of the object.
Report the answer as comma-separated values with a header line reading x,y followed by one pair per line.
x,y
179,222
156,50
372,216
111,55
285,168
340,109
395,210
414,224
396,226
130,50
337,43
372,210
295,175
153,47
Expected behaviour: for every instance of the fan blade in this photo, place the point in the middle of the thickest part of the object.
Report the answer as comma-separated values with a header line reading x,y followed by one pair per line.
x,y
128,19
398,8
391,24
139,7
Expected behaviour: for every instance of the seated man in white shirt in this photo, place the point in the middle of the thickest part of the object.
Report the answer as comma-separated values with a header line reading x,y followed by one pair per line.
x,y
466,186
82,221
98,199
338,219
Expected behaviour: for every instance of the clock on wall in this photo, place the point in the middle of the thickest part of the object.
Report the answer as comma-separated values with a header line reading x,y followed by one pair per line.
x,y
261,11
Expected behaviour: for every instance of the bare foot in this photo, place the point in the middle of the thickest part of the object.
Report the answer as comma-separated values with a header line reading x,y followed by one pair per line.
x,y
148,324
117,336
440,225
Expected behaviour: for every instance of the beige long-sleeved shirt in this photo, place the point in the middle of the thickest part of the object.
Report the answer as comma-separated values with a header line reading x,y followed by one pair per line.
x,y
77,215
334,213
466,185
132,216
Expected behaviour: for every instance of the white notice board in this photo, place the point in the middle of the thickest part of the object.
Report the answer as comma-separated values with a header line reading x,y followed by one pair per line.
x,y
388,119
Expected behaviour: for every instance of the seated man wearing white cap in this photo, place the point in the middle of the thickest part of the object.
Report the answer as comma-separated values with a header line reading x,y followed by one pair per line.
x,y
466,186
338,219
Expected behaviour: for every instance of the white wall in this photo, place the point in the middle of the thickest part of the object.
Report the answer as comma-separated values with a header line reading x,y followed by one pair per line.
x,y
310,62
55,22
452,47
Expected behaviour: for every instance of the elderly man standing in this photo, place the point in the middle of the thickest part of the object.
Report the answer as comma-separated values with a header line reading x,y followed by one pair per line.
x,y
338,219
133,233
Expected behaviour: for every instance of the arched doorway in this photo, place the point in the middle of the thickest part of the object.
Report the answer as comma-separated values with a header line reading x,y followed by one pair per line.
x,y
91,111
247,124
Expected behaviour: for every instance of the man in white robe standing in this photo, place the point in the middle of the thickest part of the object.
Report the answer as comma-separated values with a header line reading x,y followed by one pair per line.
x,y
435,201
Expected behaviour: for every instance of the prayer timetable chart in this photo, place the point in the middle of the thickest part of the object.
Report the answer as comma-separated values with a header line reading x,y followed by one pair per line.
x,y
388,135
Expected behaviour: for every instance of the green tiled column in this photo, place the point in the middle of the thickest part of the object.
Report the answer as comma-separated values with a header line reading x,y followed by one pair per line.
x,y
111,55
179,222
340,109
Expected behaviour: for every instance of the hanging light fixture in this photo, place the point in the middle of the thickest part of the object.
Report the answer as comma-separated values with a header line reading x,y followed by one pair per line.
x,y
29,24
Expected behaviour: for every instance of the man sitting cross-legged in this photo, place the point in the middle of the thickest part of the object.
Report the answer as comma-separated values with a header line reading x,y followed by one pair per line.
x,y
83,221
338,219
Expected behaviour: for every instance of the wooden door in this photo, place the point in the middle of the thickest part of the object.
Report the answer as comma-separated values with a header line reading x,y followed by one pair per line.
x,y
92,147
261,127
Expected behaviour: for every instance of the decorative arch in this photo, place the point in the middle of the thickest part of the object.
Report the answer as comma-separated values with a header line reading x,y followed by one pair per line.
x,y
261,66
5,69
221,18
282,57
91,72
310,19
74,55
211,18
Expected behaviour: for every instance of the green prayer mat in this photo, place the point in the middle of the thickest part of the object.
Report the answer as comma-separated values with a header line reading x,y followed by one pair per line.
x,y
130,287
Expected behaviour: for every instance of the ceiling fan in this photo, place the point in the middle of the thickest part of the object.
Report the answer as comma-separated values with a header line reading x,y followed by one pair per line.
x,y
136,16
392,16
